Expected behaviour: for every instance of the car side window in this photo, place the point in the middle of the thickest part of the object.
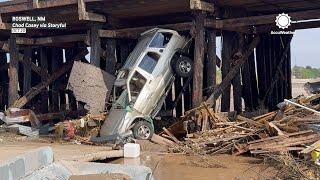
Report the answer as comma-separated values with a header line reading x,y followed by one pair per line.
x,y
136,84
160,40
149,62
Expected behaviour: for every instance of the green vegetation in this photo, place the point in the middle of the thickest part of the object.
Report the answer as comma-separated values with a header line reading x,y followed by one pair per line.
x,y
307,72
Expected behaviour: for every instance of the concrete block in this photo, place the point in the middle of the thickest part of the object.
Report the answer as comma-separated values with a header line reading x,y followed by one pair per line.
x,y
4,171
38,158
23,165
17,168
131,150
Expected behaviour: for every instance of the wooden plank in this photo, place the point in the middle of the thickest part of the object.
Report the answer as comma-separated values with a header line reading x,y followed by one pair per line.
x,y
171,135
201,5
160,140
249,121
198,60
238,63
37,89
13,70
311,147
280,133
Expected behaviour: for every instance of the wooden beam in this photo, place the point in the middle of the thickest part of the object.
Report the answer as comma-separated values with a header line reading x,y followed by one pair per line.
x,y
5,46
198,60
134,33
238,62
111,56
201,5
60,39
88,16
44,78
95,44
29,5
13,70
3,80
228,41
276,76
38,88
211,62
27,69
24,41
236,82
56,63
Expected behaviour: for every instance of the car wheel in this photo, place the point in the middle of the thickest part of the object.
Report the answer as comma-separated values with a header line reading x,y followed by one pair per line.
x,y
183,66
142,130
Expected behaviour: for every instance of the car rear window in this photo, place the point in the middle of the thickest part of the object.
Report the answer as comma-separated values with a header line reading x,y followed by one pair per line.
x,y
149,62
160,40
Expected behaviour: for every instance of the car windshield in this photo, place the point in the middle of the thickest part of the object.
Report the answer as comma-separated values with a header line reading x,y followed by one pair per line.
x,y
122,101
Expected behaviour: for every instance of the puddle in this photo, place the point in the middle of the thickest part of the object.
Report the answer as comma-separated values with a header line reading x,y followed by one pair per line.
x,y
173,166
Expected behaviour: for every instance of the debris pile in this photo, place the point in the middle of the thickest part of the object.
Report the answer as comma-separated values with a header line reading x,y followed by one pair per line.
x,y
292,129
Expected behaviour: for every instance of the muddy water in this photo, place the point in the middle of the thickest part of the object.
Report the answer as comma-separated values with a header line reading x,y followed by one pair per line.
x,y
172,166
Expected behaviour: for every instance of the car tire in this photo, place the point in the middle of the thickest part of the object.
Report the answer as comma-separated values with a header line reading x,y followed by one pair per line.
x,y
182,66
143,130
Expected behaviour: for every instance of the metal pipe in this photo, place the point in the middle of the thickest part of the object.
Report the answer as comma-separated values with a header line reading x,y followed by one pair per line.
x,y
299,105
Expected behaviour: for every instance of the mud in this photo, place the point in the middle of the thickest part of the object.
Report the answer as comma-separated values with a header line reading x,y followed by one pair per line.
x,y
178,166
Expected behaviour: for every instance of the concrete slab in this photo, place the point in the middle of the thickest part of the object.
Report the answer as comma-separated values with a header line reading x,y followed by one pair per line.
x,y
89,82
25,164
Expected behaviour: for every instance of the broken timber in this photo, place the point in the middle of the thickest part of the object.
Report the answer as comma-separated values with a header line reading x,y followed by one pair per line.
x,y
239,61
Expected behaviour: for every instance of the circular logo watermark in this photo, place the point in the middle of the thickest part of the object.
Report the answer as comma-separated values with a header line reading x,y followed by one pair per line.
x,y
283,21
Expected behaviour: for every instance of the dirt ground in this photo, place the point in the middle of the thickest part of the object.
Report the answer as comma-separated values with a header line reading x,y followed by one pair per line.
x,y
164,165
297,87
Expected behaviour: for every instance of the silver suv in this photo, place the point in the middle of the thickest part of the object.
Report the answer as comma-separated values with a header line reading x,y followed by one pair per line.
x,y
144,81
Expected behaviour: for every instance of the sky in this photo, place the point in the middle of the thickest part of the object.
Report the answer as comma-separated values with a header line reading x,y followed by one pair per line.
x,y
305,48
